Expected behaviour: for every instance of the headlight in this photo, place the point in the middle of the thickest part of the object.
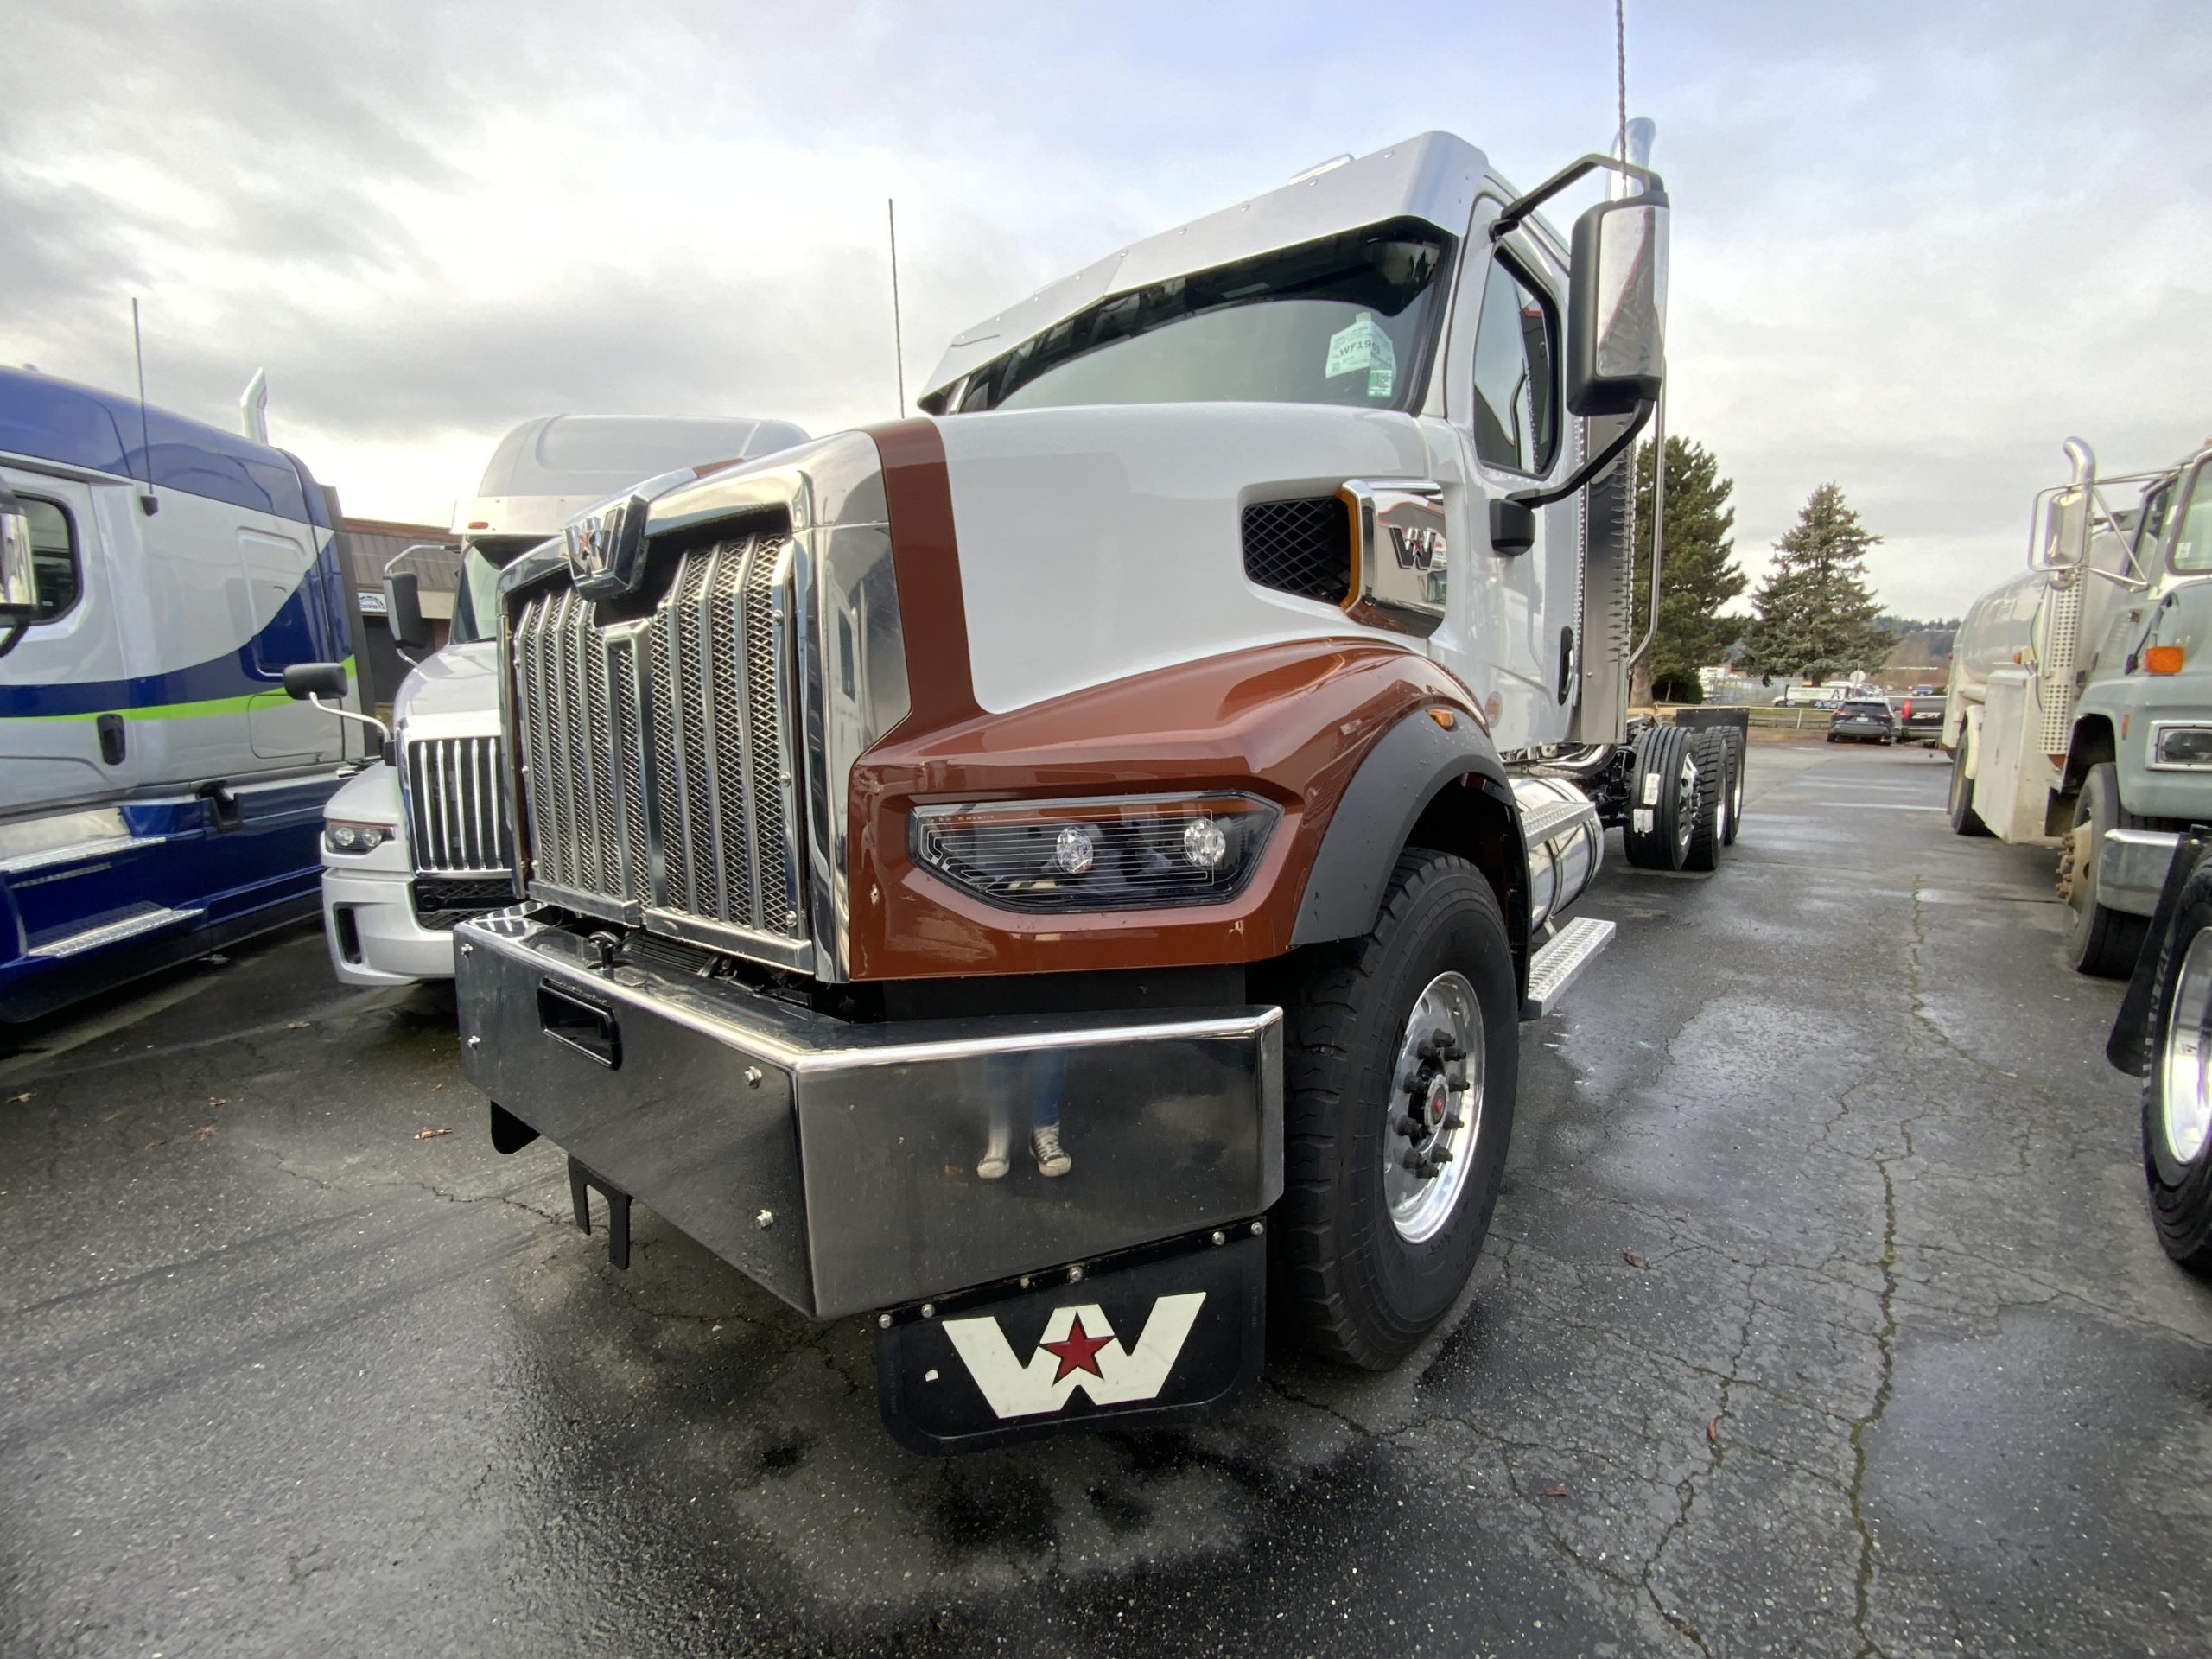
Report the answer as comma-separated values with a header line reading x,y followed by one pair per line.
x,y
342,836
1136,852
2181,745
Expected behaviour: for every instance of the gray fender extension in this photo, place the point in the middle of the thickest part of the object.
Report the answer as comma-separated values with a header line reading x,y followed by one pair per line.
x,y
1415,761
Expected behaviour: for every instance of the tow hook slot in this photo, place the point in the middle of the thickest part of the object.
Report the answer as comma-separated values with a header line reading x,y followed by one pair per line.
x,y
584,1026
583,1181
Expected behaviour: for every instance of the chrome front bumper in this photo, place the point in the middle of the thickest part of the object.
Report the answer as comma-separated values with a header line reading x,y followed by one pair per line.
x,y
2131,869
836,1163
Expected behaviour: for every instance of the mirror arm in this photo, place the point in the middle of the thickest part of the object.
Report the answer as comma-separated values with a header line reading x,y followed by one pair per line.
x,y
347,714
16,630
1521,206
1658,520
1589,469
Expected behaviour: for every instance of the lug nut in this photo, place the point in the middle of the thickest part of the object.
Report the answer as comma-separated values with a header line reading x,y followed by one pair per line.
x,y
1455,1121
1408,1127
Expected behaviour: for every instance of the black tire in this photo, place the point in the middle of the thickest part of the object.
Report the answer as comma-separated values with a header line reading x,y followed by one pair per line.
x,y
1831,737
2180,1188
2099,941
1656,835
1965,821
1709,820
1740,755
1342,1279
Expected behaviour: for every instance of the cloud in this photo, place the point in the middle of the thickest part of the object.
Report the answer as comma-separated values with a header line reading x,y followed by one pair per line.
x,y
1915,246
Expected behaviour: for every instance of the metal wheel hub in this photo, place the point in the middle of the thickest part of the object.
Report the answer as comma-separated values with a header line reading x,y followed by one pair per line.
x,y
2185,1056
1685,801
1435,1107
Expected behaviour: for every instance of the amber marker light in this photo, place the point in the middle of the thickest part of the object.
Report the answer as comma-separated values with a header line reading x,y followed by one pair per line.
x,y
2162,659
1443,717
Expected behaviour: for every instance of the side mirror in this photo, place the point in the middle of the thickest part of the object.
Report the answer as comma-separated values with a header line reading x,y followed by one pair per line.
x,y
306,680
1617,307
403,611
18,570
2062,535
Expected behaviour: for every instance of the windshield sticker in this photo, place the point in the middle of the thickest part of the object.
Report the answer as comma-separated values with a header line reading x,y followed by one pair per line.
x,y
1361,344
1379,382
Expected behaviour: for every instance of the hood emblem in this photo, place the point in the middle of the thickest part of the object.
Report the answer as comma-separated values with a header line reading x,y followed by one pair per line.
x,y
606,547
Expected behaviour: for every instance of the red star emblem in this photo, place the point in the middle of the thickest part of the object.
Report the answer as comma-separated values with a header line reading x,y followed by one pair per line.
x,y
1077,1351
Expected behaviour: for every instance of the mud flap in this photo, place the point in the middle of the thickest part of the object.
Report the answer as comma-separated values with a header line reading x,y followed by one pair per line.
x,y
1172,1332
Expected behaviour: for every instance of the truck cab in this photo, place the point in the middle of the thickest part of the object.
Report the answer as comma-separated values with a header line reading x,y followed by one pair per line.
x,y
2080,713
163,794
411,848
1063,875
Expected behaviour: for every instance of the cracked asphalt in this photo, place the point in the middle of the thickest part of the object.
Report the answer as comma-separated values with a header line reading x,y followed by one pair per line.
x,y
1821,1315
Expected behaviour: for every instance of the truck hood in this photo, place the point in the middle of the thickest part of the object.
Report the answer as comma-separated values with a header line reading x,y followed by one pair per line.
x,y
1099,542
459,681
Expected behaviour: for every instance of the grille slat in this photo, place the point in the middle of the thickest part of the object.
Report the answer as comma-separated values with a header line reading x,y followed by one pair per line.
x,y
1301,547
661,758
456,814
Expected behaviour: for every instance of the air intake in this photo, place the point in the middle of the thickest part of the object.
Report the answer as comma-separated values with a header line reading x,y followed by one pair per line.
x,y
1301,547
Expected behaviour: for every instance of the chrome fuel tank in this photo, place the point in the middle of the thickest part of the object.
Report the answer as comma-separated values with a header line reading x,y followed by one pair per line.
x,y
1566,843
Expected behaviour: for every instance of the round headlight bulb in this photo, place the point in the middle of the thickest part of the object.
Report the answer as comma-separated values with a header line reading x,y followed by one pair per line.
x,y
1204,844
1073,851
342,837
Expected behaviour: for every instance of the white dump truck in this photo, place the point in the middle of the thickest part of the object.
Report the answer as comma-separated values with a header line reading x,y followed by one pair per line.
x,y
1063,876
414,846
2080,707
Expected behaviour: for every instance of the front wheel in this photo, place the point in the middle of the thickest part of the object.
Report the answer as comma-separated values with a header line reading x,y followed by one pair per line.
x,y
1965,821
2177,1093
1402,1058
2099,940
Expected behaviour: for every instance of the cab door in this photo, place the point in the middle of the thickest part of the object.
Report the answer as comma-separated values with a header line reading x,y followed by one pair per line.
x,y
1516,615
63,680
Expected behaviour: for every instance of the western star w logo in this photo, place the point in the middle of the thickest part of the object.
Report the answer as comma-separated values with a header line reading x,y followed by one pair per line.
x,y
1416,548
1079,1351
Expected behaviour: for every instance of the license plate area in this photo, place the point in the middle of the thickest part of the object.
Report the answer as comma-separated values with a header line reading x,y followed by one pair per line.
x,y
588,1027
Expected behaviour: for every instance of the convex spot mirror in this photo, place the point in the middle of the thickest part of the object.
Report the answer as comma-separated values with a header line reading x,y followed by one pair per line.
x,y
18,569
305,680
1617,307
403,611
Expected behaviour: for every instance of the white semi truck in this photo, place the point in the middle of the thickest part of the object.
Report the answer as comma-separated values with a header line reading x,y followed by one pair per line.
x,y
2080,707
1063,876
414,846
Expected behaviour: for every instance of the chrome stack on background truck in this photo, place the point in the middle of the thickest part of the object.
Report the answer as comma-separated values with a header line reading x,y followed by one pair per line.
x,y
2080,707
159,795
1063,876
412,847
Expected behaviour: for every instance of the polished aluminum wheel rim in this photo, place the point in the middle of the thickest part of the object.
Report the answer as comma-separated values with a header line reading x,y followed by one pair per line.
x,y
2184,1056
1724,802
1435,1109
1686,802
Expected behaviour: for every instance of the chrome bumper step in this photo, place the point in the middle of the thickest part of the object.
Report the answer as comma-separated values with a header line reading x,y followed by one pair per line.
x,y
1561,961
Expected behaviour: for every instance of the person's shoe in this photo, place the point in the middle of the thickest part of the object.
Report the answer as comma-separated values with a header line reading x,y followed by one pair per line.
x,y
1052,1162
992,1168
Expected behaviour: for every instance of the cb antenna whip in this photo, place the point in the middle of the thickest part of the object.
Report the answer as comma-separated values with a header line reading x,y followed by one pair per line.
x,y
147,501
898,336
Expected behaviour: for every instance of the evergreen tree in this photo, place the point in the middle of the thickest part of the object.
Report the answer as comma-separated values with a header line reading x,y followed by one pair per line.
x,y
1699,573
1815,613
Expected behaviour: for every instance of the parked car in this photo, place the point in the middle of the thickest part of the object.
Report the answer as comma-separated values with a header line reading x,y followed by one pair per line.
x,y
1867,720
1921,718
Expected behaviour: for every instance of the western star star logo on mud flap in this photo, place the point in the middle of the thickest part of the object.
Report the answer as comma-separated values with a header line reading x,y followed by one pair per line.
x,y
1079,1351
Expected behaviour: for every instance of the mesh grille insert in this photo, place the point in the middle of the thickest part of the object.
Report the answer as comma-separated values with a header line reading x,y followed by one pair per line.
x,y
1301,547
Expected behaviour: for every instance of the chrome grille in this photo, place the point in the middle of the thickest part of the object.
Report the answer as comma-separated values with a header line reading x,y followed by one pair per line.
x,y
658,753
456,805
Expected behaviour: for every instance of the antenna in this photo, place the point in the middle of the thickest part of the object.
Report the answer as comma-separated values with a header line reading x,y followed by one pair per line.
x,y
147,501
898,334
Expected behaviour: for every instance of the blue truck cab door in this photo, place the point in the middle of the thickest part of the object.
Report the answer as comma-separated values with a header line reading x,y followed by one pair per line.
x,y
56,756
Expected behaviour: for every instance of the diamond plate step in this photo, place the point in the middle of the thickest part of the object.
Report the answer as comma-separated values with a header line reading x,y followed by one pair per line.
x,y
1561,961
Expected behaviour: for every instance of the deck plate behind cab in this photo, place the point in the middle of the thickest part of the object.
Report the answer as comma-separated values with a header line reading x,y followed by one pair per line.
x,y
1155,1337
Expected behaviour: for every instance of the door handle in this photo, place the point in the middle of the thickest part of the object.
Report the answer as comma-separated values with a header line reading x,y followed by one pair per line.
x,y
114,738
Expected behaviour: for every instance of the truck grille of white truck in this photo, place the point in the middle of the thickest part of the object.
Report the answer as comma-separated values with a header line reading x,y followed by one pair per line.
x,y
456,805
657,754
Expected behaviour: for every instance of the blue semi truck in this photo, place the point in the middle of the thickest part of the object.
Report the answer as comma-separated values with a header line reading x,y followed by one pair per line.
x,y
160,794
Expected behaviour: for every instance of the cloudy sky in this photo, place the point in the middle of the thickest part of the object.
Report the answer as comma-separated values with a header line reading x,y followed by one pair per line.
x,y
1916,245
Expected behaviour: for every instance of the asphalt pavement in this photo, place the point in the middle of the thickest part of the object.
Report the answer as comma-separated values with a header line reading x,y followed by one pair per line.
x,y
1821,1315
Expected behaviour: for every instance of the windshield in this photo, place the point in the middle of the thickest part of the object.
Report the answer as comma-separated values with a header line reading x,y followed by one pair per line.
x,y
476,601
1349,320
2193,541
